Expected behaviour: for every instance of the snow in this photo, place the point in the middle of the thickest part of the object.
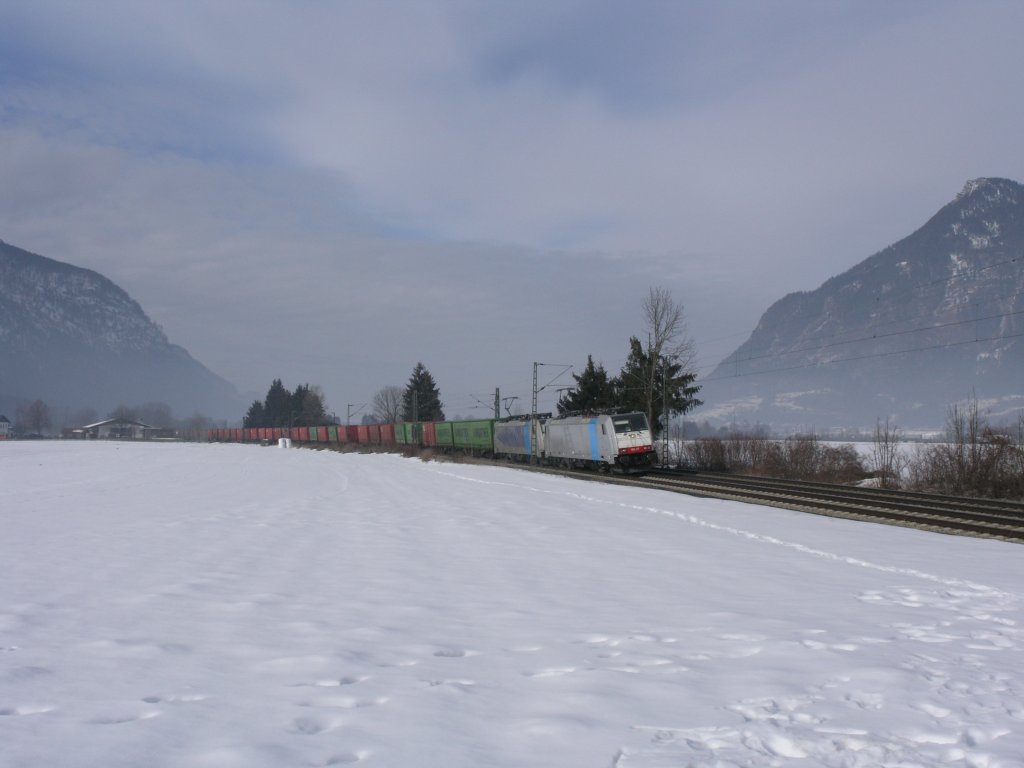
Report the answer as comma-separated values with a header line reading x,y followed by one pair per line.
x,y
221,605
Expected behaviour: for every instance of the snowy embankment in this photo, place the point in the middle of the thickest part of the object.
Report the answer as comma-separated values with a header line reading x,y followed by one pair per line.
x,y
206,605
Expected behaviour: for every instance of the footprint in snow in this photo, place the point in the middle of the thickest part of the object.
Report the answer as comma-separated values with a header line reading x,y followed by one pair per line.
x,y
455,653
814,645
24,710
345,758
551,672
461,685
122,719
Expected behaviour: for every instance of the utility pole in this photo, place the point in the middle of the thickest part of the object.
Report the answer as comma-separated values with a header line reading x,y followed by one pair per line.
x,y
534,459
349,413
497,404
533,408
664,408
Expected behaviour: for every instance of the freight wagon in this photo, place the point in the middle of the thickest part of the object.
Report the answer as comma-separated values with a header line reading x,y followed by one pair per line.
x,y
615,442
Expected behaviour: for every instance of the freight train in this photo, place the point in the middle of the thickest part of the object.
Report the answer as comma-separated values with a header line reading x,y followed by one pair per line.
x,y
607,442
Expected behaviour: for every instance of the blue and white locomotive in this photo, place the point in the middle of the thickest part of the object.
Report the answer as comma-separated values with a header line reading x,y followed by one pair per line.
x,y
607,442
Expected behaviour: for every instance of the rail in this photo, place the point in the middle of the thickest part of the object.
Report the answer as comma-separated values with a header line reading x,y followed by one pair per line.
x,y
944,514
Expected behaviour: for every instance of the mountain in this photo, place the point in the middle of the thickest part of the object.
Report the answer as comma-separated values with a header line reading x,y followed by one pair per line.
x,y
931,320
72,338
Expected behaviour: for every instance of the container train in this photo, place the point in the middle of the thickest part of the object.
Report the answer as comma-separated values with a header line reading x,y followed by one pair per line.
x,y
606,442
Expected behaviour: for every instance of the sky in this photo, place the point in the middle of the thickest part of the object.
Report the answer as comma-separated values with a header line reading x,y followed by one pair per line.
x,y
329,193
269,607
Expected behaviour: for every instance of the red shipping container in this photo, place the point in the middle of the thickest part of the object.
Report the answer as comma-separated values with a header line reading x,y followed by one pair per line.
x,y
387,434
429,434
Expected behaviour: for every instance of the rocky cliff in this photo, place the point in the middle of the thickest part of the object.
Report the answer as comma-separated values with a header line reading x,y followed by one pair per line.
x,y
930,320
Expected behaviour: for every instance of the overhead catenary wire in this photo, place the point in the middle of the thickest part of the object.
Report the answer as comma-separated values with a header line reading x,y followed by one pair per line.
x,y
709,366
922,329
890,353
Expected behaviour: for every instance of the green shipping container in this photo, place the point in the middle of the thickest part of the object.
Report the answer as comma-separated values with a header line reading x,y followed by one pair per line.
x,y
332,434
402,433
473,436
443,434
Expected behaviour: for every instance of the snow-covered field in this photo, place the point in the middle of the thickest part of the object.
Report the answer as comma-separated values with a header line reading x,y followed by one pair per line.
x,y
207,605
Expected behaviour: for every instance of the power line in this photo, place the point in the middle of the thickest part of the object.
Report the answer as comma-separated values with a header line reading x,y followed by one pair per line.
x,y
890,297
906,290
865,357
817,347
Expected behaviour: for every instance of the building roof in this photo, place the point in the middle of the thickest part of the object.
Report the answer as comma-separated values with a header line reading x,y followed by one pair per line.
x,y
125,422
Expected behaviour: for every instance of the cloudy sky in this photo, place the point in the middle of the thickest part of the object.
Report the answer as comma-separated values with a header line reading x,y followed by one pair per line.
x,y
331,192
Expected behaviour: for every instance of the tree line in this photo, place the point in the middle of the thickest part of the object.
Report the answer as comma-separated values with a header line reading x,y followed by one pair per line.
x,y
36,418
975,458
657,379
305,407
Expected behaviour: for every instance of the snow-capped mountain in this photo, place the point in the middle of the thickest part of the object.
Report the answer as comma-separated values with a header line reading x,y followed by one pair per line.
x,y
929,321
71,337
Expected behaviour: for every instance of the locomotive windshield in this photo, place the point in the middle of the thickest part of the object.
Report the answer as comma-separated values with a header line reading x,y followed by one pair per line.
x,y
630,422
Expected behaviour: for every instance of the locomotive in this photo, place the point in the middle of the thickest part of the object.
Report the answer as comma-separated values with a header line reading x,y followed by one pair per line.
x,y
618,442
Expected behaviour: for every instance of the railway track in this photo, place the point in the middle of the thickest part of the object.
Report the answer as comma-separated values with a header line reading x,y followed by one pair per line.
x,y
952,515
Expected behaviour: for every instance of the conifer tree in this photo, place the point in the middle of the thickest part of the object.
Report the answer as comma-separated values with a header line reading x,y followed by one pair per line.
x,y
593,393
308,406
646,383
256,416
421,400
278,406
305,407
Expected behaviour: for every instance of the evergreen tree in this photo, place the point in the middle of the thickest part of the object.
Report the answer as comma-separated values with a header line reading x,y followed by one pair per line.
x,y
421,400
630,390
646,383
278,406
308,407
594,391
256,416
305,407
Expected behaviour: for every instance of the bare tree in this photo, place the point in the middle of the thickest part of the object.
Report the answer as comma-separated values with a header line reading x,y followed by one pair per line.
x,y
195,427
975,459
33,418
83,416
666,324
387,404
669,343
124,413
887,460
156,415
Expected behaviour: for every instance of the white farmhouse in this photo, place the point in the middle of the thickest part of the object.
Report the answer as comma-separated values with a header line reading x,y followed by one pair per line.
x,y
116,429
